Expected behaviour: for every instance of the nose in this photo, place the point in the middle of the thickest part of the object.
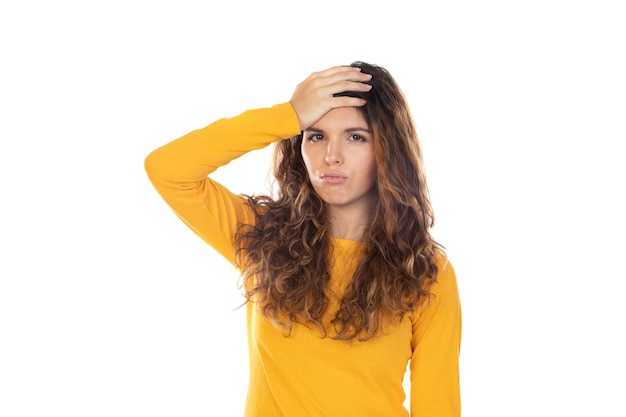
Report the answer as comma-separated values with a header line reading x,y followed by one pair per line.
x,y
334,154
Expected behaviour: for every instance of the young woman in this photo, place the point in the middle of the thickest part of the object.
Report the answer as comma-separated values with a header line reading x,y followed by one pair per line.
x,y
344,284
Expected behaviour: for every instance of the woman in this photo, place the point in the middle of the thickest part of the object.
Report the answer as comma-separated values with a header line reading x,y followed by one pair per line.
x,y
344,284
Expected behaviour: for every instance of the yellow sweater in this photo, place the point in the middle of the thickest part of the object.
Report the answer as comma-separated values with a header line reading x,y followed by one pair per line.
x,y
306,375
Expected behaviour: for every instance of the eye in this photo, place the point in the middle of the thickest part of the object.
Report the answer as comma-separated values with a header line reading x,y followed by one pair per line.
x,y
357,138
315,137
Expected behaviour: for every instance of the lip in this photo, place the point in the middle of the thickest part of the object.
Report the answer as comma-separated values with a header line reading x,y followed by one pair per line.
x,y
333,178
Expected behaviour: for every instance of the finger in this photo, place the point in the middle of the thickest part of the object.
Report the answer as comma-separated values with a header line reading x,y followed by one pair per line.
x,y
344,86
347,101
336,74
337,70
342,75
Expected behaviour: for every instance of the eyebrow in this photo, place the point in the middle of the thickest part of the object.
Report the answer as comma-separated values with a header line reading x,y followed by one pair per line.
x,y
348,130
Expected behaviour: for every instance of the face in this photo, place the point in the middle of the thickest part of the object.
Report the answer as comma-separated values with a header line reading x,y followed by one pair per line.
x,y
339,156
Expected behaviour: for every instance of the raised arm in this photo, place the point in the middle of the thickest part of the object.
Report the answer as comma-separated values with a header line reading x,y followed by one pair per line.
x,y
179,170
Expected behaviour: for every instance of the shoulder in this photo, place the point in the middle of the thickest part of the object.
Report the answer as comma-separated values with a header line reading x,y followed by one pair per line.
x,y
443,287
445,269
446,274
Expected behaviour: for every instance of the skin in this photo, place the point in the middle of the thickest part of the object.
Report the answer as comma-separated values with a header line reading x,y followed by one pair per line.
x,y
314,97
335,118
340,160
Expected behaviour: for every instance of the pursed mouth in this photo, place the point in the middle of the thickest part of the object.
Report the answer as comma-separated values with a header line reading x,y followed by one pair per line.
x,y
332,178
326,176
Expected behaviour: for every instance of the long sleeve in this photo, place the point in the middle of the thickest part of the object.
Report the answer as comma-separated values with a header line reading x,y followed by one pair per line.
x,y
436,343
179,171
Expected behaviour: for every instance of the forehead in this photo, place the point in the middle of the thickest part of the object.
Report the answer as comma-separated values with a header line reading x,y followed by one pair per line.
x,y
341,118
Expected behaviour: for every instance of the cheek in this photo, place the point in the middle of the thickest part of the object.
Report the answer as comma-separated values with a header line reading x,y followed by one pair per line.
x,y
307,161
372,171
308,158
373,177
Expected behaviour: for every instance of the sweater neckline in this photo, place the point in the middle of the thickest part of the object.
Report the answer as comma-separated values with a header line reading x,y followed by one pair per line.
x,y
339,241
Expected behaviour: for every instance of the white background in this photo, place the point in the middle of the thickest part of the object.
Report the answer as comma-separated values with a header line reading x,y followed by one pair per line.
x,y
110,306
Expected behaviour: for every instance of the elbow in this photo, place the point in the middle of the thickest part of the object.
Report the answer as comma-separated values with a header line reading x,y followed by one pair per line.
x,y
155,168
148,164
152,166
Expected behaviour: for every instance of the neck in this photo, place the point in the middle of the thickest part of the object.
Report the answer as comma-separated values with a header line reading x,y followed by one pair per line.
x,y
346,226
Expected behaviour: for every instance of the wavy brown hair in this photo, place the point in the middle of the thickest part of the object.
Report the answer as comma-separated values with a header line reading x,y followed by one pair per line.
x,y
284,255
